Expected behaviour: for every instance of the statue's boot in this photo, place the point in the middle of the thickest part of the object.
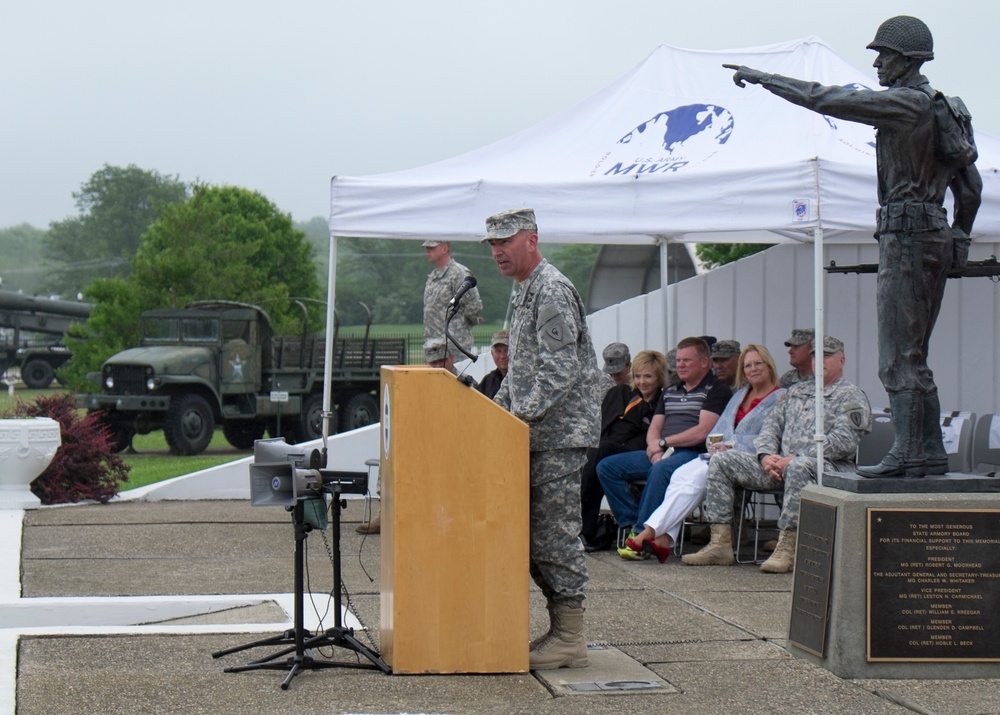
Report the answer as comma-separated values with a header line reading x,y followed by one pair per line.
x,y
936,458
906,458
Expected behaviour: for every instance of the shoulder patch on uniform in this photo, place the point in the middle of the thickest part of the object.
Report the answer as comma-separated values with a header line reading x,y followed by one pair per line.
x,y
553,329
859,416
556,334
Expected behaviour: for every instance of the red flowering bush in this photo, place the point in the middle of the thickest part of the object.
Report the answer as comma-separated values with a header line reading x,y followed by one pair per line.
x,y
86,465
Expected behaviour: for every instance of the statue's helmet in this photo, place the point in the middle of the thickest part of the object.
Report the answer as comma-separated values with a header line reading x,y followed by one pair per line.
x,y
906,35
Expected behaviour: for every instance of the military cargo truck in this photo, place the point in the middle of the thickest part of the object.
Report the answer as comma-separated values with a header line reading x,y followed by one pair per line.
x,y
219,363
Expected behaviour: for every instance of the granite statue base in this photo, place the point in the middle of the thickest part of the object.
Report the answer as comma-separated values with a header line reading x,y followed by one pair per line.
x,y
899,583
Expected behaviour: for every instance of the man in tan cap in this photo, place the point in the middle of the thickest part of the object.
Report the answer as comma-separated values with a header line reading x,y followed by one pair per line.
x,y
442,284
498,351
436,354
554,385
617,364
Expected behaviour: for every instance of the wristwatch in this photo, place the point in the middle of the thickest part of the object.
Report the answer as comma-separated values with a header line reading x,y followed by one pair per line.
x,y
663,443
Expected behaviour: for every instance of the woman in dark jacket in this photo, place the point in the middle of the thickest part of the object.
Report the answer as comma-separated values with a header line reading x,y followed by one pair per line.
x,y
625,415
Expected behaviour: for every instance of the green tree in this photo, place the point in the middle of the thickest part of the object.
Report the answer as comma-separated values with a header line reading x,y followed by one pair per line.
x,y
113,325
116,205
387,275
576,261
713,255
225,243
23,266
317,233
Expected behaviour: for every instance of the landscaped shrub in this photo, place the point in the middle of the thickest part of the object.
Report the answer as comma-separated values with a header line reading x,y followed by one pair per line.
x,y
86,465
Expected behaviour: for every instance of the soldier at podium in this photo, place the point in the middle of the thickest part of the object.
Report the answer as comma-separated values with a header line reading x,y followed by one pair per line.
x,y
553,384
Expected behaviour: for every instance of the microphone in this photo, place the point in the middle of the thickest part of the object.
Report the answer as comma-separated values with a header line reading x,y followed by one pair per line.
x,y
468,284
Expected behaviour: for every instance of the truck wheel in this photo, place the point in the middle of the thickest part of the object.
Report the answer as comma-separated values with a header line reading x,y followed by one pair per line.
x,y
188,424
311,426
119,434
361,410
243,433
37,374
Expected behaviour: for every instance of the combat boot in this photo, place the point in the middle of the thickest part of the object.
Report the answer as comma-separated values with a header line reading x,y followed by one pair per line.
x,y
372,527
718,552
550,606
565,647
783,558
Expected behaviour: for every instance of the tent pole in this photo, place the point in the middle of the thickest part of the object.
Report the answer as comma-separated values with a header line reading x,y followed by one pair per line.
x,y
510,305
331,292
820,435
665,294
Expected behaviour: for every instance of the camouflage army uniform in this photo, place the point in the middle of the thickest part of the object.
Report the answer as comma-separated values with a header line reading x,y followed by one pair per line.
x,y
441,286
793,377
554,385
787,430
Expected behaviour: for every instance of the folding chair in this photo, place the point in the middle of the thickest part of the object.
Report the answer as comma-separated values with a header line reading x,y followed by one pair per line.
x,y
752,507
957,431
986,446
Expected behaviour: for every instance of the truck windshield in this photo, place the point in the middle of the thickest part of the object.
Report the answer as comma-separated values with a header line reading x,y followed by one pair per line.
x,y
200,329
160,329
174,330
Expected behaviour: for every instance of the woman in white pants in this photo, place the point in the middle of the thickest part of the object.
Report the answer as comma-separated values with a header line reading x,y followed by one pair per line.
x,y
739,424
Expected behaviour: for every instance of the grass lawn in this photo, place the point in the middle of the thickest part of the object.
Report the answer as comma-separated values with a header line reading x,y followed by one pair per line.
x,y
152,461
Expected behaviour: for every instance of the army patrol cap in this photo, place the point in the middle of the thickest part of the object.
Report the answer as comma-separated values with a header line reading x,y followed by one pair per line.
x,y
615,356
831,345
501,337
507,223
434,349
431,243
800,336
726,349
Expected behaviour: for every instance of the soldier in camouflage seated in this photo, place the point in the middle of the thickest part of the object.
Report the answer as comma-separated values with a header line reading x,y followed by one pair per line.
x,y
786,455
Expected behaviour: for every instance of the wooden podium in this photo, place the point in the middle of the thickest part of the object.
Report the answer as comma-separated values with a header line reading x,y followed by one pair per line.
x,y
454,558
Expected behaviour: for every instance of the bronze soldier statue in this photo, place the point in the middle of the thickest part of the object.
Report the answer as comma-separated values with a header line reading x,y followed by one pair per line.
x,y
917,247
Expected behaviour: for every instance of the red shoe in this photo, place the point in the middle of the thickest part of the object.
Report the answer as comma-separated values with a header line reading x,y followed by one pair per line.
x,y
635,545
662,553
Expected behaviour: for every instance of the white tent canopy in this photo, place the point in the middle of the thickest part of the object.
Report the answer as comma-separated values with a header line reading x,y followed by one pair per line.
x,y
672,149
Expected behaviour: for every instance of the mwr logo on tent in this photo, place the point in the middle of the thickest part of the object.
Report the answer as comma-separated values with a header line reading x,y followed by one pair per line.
x,y
859,137
670,141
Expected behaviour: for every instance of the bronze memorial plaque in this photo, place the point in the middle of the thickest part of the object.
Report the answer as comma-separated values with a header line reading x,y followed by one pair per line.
x,y
933,585
811,589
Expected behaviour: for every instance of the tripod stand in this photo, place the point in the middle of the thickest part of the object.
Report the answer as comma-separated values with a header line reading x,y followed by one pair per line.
x,y
300,640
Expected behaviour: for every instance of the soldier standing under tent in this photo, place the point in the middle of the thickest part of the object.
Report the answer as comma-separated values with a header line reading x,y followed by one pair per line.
x,y
442,284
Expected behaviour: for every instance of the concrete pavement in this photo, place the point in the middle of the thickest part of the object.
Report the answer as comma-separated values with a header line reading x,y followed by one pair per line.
x,y
179,580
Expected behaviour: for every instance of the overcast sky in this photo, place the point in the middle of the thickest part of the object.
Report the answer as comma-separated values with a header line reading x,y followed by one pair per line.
x,y
279,97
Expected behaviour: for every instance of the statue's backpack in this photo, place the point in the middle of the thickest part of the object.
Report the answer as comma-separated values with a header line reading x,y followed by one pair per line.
x,y
955,144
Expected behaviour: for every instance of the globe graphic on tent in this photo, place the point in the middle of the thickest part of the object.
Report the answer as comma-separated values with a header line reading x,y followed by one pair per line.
x,y
692,132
